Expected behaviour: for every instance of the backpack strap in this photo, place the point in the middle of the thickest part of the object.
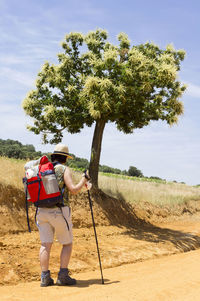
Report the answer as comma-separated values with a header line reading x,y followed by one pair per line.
x,y
36,211
62,192
63,188
64,218
26,204
39,180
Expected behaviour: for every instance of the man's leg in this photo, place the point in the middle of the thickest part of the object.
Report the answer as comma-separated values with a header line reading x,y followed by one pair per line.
x,y
65,256
45,250
45,255
63,275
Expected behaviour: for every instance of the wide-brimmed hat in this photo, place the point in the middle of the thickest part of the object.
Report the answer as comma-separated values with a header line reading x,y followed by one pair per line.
x,y
61,149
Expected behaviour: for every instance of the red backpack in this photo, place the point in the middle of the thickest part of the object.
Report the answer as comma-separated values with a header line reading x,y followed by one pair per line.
x,y
41,186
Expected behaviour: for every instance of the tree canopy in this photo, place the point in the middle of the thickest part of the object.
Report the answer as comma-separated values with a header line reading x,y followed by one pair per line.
x,y
15,149
134,172
98,82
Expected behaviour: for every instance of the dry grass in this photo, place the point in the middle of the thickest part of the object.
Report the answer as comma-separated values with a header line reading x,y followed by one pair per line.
x,y
157,193
12,172
11,187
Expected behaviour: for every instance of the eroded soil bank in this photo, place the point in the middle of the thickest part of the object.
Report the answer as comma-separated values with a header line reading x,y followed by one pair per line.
x,y
126,235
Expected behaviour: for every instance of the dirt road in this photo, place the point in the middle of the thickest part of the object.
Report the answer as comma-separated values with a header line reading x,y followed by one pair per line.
x,y
146,254
173,278
153,272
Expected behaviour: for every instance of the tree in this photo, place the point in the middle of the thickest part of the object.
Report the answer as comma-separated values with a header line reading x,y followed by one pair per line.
x,y
108,169
15,149
97,82
134,172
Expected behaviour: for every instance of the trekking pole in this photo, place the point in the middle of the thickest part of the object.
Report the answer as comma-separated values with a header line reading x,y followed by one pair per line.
x,y
90,202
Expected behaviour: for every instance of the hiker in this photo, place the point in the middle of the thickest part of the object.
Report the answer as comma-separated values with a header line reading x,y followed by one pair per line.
x,y
58,220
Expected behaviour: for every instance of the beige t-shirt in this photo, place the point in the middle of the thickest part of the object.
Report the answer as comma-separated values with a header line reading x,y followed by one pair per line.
x,y
59,171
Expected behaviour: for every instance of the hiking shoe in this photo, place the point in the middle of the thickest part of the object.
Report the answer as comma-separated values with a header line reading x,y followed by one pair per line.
x,y
64,278
46,280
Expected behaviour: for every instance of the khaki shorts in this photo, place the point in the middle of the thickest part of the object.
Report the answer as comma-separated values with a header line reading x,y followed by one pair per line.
x,y
52,220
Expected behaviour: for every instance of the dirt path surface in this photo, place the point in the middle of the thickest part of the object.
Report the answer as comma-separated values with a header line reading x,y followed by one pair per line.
x,y
169,278
147,252
165,277
118,246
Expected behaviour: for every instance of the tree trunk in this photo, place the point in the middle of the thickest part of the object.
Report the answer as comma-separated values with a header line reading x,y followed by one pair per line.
x,y
96,151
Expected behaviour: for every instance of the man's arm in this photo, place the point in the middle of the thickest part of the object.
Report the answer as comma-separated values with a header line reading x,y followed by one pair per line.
x,y
69,183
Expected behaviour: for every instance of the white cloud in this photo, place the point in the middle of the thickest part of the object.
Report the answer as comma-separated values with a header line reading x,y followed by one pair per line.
x,y
12,60
7,108
193,90
20,77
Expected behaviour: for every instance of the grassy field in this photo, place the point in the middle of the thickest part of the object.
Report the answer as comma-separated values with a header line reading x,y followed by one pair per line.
x,y
131,189
166,193
11,172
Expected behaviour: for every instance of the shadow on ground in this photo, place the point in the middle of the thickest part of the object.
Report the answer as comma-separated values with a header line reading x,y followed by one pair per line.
x,y
120,213
89,282
184,242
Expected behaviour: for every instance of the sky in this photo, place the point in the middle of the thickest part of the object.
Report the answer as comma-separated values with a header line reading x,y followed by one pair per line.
x,y
31,32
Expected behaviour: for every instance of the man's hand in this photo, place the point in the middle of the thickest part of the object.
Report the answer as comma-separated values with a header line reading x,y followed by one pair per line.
x,y
88,185
86,175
